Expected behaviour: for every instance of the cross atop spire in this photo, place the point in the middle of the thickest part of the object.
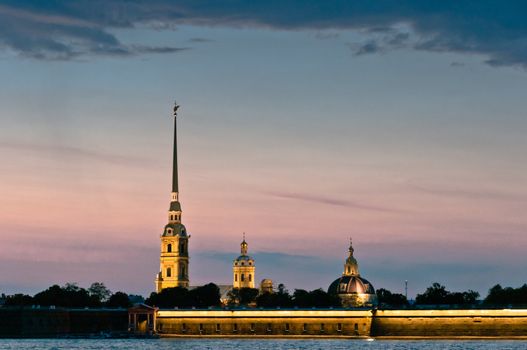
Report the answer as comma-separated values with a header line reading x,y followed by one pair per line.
x,y
244,246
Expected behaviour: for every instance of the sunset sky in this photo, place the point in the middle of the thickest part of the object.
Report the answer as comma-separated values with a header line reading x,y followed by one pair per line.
x,y
399,123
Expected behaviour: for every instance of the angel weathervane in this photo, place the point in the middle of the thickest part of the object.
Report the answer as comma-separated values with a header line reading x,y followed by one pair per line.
x,y
176,107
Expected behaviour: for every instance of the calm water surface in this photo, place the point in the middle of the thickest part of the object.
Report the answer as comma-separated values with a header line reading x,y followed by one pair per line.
x,y
252,344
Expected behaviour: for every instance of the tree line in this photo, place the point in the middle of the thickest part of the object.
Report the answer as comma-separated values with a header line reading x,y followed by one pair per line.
x,y
97,295
437,294
209,296
71,295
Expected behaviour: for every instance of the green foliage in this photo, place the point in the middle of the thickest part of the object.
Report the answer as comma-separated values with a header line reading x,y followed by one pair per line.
x,y
506,296
315,298
279,299
18,300
169,298
242,296
205,296
68,296
99,290
201,297
438,295
119,299
385,297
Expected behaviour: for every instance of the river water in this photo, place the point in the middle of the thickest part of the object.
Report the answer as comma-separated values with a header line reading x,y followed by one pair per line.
x,y
254,344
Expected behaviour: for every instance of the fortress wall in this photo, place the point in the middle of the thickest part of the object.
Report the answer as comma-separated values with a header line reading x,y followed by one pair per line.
x,y
48,322
25,322
93,321
449,323
264,323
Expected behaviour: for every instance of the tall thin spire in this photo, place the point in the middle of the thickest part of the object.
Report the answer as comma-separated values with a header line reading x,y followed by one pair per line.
x,y
175,185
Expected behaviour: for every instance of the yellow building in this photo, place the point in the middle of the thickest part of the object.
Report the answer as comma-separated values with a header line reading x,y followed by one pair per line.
x,y
174,261
243,268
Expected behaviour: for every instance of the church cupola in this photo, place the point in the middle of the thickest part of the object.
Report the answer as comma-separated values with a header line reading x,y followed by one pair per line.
x,y
243,268
351,267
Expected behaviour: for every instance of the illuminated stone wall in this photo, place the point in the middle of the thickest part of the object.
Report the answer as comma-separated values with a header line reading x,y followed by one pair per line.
x,y
449,323
344,323
265,323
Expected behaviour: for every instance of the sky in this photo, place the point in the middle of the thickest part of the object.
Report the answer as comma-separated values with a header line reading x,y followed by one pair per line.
x,y
400,124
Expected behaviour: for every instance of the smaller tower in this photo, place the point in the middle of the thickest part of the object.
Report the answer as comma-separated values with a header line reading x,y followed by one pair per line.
x,y
243,268
351,267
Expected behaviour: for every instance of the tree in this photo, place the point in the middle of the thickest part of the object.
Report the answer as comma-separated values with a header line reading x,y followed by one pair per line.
x,y
248,295
68,296
437,294
99,291
119,299
242,296
500,296
323,299
315,298
385,297
169,298
18,300
279,299
205,296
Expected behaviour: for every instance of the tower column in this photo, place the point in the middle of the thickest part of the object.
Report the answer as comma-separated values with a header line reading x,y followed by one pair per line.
x,y
173,269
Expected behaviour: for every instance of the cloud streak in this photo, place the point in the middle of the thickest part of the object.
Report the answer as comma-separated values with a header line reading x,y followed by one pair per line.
x,y
63,29
74,152
331,201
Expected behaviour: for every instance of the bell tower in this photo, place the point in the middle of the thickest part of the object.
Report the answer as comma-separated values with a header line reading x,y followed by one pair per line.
x,y
243,268
174,260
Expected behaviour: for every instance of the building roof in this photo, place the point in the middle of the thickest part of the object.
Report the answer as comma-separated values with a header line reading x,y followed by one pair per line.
x,y
175,206
351,285
175,229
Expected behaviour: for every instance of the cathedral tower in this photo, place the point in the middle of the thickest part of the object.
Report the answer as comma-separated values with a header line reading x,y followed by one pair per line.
x,y
173,270
243,268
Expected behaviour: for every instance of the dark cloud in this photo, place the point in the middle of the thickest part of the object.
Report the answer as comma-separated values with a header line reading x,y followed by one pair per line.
x,y
200,40
330,201
483,194
65,29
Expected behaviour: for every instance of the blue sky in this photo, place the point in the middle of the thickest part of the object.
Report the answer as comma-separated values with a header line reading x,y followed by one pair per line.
x,y
401,124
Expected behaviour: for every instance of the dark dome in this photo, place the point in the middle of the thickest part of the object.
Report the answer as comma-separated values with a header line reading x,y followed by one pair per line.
x,y
242,259
175,229
351,285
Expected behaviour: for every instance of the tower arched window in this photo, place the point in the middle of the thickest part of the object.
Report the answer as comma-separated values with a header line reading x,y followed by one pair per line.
x,y
169,248
183,271
250,278
242,277
235,277
169,272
